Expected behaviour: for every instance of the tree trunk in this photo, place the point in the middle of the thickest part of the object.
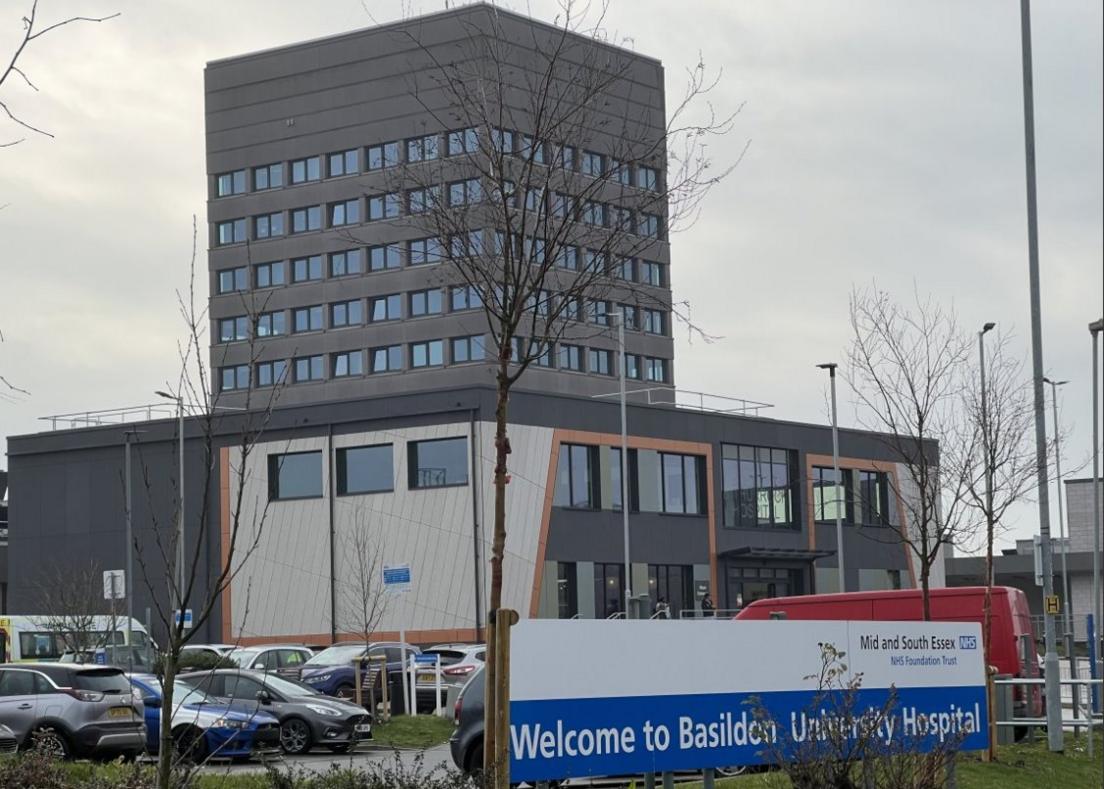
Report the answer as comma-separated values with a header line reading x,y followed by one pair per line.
x,y
987,629
925,589
165,749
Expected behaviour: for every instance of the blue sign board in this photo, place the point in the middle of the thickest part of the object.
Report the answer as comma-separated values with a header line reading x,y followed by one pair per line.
x,y
396,576
425,660
572,715
187,618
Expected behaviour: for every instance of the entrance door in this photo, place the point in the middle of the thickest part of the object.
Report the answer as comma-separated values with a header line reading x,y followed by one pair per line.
x,y
744,585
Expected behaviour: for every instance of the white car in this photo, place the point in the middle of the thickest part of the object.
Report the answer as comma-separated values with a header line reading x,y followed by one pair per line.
x,y
284,659
458,663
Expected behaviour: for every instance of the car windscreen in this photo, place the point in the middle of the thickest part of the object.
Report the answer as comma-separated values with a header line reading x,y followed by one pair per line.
x,y
337,655
448,656
105,680
186,693
289,687
242,657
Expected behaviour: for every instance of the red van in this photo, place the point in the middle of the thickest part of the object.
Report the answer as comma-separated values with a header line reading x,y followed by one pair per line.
x,y
1013,640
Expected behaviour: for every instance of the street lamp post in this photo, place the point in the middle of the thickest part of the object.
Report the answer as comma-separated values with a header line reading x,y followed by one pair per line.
x,y
986,448
179,596
831,368
624,458
1095,328
1062,522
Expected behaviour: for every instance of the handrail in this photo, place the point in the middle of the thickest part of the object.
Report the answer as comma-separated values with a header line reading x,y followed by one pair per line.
x,y
617,615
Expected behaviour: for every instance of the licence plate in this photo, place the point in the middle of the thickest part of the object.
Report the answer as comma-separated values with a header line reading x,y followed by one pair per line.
x,y
119,712
428,679
363,728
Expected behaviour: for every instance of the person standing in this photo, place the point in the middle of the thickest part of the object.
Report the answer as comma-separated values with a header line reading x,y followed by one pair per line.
x,y
707,607
662,609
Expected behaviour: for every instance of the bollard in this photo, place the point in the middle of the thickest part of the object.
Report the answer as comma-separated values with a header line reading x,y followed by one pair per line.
x,y
649,780
668,781
952,771
707,778
1006,735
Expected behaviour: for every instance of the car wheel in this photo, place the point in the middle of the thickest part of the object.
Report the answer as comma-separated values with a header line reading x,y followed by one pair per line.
x,y
51,742
475,760
189,746
295,736
345,692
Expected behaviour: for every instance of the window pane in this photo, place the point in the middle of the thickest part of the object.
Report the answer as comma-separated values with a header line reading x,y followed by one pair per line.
x,y
364,469
672,484
295,476
438,463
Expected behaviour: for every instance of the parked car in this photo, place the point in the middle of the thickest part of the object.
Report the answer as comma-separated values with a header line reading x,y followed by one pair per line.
x,y
331,670
458,663
71,709
285,659
307,717
140,658
216,650
9,743
203,726
466,743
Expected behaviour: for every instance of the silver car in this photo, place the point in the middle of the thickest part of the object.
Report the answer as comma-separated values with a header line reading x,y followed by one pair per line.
x,y
71,709
458,663
284,659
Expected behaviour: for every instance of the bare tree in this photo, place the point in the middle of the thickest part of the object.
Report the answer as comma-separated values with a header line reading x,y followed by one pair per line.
x,y
241,534
73,608
363,597
556,174
907,367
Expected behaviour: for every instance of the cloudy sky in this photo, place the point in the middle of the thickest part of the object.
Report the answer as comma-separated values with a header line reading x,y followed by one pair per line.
x,y
886,143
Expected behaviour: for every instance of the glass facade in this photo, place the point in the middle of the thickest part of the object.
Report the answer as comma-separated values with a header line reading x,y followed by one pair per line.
x,y
437,463
757,486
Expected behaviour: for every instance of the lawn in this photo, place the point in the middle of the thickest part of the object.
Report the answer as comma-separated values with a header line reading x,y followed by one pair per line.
x,y
1017,767
405,731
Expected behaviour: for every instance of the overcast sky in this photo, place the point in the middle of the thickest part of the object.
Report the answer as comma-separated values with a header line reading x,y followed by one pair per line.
x,y
886,142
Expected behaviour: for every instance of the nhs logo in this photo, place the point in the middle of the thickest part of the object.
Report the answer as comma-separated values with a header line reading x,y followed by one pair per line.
x,y
967,642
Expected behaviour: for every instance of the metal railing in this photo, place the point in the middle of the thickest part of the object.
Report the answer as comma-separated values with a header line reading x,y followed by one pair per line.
x,y
110,416
691,400
718,613
1081,706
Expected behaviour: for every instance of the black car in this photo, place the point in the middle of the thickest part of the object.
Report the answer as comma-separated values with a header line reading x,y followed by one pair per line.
x,y
307,718
466,742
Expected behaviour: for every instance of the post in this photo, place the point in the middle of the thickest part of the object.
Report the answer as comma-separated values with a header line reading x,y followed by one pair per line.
x,y
129,580
402,667
506,619
838,481
490,698
1050,659
413,679
1068,629
1095,328
180,528
624,461
707,778
358,693
437,687
991,751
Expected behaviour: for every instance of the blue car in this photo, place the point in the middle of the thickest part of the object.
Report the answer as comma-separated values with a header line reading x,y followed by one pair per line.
x,y
331,670
204,726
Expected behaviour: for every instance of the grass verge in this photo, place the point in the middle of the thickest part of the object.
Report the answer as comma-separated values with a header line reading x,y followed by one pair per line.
x,y
418,731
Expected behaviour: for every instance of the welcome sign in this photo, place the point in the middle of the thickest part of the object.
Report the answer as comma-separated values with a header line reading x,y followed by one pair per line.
x,y
598,697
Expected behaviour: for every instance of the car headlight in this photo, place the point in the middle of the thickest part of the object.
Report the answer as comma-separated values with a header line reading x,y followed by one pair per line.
x,y
318,678
229,723
330,711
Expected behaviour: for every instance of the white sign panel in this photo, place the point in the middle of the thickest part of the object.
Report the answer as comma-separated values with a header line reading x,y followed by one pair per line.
x,y
114,583
603,710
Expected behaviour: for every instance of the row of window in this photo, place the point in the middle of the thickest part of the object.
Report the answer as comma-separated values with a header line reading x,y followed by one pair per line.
x,y
589,477
434,463
415,252
339,164
391,205
671,584
431,353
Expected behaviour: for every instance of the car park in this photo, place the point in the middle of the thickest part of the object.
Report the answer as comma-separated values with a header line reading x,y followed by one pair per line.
x,y
458,663
203,726
331,670
284,659
307,717
71,709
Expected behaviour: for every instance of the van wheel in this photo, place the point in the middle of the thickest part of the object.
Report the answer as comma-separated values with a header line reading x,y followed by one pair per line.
x,y
50,741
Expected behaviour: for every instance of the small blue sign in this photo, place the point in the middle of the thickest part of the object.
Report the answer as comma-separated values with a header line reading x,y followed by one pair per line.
x,y
425,660
187,618
100,658
398,575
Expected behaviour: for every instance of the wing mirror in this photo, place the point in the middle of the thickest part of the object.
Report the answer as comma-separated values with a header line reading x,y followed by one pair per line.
x,y
153,702
264,697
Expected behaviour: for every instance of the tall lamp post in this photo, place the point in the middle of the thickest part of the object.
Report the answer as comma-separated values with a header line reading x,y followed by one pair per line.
x,y
620,314
1095,328
1062,520
986,448
179,596
831,368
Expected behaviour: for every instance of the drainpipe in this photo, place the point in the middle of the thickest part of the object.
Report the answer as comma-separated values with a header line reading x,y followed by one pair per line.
x,y
477,554
330,458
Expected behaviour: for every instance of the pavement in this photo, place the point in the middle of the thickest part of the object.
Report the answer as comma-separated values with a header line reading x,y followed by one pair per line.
x,y
321,760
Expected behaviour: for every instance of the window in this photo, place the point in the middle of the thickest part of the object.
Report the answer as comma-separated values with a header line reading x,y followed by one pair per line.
x,y
230,184
462,141
600,361
429,353
268,275
540,302
651,273
382,258
347,313
655,369
623,268
348,363
308,319
424,251
830,494
467,349
576,477
622,219
465,192
534,201
567,157
622,172
464,297
307,218
231,232
541,353
532,148
271,324
231,329
342,264
592,163
421,149
598,312
365,470
562,206
629,316
268,225
236,377
667,482
343,163
232,280
425,302
438,463
309,368
672,583
385,360
757,484
632,366
295,475
594,213
419,201
872,499
648,225
303,170
647,178
681,484
386,308
271,373
609,589
269,176
567,590
594,261
568,258
306,269
654,321
346,212
385,155
572,309
570,357
502,140
386,206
